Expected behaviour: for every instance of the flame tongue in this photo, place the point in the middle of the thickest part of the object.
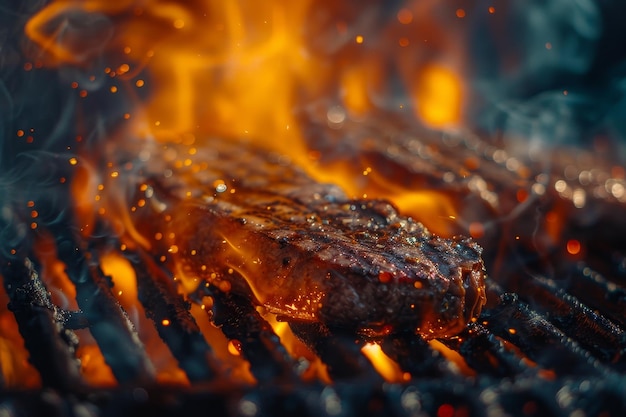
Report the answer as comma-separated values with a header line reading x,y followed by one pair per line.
x,y
247,69
180,74
255,73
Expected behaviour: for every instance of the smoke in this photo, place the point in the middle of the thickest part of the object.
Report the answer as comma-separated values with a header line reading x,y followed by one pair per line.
x,y
552,71
50,113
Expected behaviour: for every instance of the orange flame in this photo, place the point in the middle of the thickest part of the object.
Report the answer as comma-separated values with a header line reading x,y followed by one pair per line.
x,y
230,357
63,294
65,43
244,71
385,366
438,96
247,72
454,357
316,369
232,73
17,372
93,367
253,72
125,289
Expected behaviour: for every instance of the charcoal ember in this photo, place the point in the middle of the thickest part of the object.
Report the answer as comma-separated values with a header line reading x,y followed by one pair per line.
x,y
250,222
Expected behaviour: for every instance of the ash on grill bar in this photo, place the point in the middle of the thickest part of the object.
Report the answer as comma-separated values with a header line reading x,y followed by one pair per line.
x,y
312,208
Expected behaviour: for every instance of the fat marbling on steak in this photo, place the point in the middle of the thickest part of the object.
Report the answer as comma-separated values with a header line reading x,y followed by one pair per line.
x,y
250,222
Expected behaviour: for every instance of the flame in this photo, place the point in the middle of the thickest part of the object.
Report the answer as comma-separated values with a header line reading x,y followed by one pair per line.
x,y
438,96
93,367
315,369
252,72
247,71
53,30
124,279
231,74
385,366
238,368
17,372
257,73
62,291
125,289
453,357
63,294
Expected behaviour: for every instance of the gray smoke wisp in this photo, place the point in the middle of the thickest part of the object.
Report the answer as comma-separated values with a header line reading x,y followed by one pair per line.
x,y
550,70
44,121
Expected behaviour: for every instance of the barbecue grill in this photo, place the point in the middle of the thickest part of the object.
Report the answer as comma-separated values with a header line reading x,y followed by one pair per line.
x,y
541,345
558,358
550,340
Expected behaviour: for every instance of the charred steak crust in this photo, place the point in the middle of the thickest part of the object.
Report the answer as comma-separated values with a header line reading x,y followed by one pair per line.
x,y
306,252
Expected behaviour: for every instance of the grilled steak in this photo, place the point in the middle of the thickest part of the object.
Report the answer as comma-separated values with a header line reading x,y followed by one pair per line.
x,y
250,222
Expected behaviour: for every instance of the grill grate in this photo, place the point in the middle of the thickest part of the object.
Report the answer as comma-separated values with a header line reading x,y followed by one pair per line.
x,y
536,351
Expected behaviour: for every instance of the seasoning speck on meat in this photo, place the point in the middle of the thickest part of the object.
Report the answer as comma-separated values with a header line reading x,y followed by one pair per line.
x,y
306,252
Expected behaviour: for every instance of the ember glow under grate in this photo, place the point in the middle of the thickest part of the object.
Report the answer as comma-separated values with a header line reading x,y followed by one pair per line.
x,y
121,119
513,358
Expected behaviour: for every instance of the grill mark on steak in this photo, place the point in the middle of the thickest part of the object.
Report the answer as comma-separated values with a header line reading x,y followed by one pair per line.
x,y
306,252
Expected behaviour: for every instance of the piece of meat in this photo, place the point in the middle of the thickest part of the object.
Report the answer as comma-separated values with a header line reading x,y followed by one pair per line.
x,y
252,223
521,202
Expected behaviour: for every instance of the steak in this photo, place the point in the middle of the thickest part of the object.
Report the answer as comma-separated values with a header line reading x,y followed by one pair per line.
x,y
251,222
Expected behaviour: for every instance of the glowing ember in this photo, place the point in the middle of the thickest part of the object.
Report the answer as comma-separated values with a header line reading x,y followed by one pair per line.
x,y
573,246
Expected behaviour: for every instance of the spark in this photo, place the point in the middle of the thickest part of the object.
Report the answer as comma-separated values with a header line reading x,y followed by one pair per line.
x,y
573,246
405,16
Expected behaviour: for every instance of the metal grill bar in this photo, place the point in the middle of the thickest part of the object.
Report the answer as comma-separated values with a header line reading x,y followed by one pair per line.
x,y
172,319
537,338
605,340
597,292
108,323
414,355
260,346
521,397
486,354
341,353
555,333
42,325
